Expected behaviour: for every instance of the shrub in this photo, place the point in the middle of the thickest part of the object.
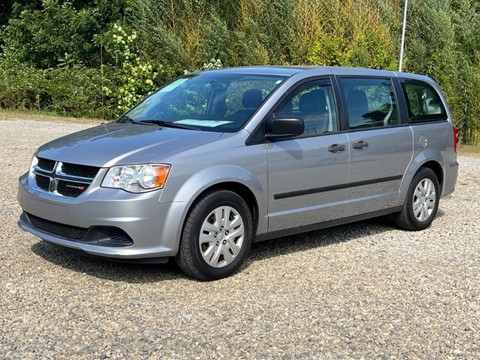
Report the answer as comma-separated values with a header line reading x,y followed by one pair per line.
x,y
71,91
131,77
21,86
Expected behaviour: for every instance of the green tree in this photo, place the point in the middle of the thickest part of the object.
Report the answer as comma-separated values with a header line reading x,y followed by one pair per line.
x,y
56,32
443,42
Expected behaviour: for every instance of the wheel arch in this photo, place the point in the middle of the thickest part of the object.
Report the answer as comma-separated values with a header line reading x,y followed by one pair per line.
x,y
436,168
430,159
240,189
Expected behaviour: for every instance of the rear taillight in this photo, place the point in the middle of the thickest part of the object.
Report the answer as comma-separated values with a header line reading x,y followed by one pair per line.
x,y
456,140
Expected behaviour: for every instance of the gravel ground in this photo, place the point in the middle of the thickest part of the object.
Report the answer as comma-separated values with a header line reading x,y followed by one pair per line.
x,y
364,290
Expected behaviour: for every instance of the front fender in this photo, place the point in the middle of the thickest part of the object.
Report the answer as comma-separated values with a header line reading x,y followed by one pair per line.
x,y
216,175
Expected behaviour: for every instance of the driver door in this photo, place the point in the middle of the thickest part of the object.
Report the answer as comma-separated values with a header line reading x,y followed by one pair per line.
x,y
307,175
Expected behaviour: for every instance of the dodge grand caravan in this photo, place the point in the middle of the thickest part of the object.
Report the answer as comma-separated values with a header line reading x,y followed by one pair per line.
x,y
219,159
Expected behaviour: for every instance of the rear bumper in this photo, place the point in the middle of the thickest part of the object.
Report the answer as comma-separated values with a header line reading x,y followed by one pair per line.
x,y
153,227
451,175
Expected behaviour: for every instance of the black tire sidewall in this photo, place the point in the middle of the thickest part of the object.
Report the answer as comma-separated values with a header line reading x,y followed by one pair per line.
x,y
420,176
196,218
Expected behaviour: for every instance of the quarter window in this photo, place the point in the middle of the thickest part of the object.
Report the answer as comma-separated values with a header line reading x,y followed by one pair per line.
x,y
423,102
370,102
314,103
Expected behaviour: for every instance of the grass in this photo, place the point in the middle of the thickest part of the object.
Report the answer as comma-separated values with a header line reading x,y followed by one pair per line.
x,y
469,150
42,116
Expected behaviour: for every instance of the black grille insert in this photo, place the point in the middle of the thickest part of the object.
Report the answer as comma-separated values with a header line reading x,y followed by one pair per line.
x,y
109,236
62,230
46,164
70,188
43,182
95,235
80,170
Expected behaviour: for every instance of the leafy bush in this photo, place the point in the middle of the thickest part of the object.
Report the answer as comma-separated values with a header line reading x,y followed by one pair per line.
x,y
49,33
21,86
131,78
75,91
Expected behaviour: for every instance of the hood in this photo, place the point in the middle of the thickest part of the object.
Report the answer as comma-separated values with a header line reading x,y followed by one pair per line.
x,y
116,143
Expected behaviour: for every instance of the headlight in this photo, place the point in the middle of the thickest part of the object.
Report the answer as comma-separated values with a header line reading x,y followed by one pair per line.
x,y
136,178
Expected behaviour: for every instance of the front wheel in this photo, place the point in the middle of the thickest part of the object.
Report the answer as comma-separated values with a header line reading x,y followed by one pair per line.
x,y
421,204
216,237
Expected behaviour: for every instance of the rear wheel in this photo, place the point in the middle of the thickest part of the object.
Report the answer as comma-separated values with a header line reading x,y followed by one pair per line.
x,y
216,237
421,204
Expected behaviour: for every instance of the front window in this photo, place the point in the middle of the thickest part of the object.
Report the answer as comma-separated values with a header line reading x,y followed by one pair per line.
x,y
314,103
208,101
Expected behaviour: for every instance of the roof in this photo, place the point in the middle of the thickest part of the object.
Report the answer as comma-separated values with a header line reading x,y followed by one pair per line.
x,y
312,70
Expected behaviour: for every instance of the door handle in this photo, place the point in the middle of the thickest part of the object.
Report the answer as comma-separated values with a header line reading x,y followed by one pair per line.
x,y
335,148
360,145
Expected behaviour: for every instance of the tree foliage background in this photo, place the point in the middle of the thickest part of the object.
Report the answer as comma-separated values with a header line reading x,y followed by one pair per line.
x,y
98,57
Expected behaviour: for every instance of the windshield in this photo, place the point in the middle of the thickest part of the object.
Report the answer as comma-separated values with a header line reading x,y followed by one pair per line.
x,y
208,101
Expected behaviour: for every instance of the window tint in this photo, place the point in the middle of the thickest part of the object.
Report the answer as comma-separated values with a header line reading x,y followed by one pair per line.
x,y
370,102
314,103
423,102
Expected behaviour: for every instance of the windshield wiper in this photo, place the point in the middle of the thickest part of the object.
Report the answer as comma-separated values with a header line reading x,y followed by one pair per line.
x,y
167,124
127,119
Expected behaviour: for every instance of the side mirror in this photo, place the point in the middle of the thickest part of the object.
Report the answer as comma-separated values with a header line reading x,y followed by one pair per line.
x,y
285,127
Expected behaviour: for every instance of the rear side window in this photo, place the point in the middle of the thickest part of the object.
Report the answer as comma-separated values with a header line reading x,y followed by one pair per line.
x,y
370,102
423,102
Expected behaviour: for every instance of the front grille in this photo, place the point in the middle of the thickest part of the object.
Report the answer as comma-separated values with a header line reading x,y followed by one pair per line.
x,y
80,170
62,230
69,188
64,179
43,182
46,164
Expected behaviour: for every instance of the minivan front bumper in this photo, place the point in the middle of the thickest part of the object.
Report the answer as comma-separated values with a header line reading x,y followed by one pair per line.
x,y
148,228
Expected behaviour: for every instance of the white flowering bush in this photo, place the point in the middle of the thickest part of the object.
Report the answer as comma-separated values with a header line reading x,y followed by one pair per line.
x,y
213,64
134,78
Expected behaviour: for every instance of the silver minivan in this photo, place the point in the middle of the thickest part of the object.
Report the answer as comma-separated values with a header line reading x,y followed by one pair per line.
x,y
219,159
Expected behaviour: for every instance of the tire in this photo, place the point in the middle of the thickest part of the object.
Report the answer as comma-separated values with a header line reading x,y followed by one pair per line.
x,y
211,246
421,204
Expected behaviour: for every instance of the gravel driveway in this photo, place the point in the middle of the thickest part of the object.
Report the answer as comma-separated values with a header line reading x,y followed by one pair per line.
x,y
364,290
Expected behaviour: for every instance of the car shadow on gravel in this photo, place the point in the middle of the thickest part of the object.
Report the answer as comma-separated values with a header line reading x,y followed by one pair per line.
x,y
100,268
314,239
143,273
